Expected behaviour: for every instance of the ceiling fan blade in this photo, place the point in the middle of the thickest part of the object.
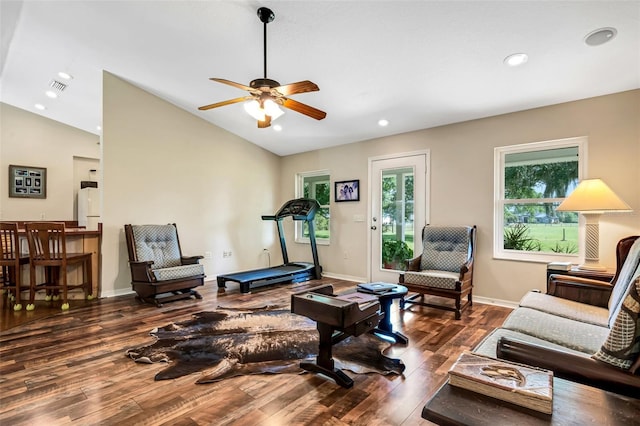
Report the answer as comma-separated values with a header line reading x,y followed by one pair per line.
x,y
265,123
304,109
233,83
299,87
223,103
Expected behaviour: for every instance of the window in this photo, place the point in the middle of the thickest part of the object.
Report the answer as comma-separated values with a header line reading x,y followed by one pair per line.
x,y
315,185
531,180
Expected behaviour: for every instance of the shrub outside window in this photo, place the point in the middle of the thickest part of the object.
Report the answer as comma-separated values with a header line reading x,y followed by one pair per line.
x,y
531,180
316,185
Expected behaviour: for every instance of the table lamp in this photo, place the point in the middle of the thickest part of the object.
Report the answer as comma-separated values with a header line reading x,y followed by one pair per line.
x,y
592,197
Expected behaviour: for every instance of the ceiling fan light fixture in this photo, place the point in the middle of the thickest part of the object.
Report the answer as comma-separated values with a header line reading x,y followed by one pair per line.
x,y
267,95
269,108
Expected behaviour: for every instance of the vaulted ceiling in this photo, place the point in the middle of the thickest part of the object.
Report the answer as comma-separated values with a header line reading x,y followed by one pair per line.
x,y
417,64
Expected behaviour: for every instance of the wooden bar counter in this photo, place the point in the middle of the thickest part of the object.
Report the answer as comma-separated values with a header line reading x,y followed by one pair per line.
x,y
78,240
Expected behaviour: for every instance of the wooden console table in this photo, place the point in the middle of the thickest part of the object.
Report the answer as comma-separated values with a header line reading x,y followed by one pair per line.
x,y
573,403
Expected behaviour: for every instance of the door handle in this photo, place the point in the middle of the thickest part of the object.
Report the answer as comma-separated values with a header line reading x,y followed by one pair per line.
x,y
374,227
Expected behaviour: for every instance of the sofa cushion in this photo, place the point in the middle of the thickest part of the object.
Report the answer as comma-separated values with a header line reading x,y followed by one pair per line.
x,y
489,344
158,243
566,308
176,272
445,248
438,279
580,336
623,343
630,267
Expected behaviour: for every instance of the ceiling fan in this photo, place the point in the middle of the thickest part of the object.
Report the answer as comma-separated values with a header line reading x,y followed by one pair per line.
x,y
266,94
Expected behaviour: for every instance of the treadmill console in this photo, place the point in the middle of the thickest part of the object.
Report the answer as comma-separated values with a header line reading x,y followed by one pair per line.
x,y
300,209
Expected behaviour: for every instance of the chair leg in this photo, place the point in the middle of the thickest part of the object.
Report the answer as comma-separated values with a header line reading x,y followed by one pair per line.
x,y
32,288
458,310
63,283
88,287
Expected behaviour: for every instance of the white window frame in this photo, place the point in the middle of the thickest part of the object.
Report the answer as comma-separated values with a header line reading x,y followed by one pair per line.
x,y
299,187
499,201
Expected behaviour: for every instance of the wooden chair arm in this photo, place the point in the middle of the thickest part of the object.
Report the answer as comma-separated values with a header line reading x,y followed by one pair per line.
x,y
583,290
141,271
466,269
567,366
413,264
190,260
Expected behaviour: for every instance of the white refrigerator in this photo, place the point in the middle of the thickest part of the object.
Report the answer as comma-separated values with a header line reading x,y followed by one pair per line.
x,y
89,208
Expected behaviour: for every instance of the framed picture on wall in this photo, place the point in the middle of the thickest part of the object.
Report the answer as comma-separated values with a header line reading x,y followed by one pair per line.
x,y
27,182
347,190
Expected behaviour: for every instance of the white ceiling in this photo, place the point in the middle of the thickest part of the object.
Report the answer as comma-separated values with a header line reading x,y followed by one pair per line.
x,y
418,64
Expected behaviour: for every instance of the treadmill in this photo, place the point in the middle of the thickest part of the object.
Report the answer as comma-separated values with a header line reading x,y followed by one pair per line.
x,y
299,209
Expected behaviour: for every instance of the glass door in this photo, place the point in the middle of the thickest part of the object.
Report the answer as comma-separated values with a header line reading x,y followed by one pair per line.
x,y
398,213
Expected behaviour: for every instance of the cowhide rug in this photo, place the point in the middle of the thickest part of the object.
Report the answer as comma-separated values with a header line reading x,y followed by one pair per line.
x,y
225,344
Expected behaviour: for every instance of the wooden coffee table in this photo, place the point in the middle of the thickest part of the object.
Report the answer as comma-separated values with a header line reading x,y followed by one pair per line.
x,y
573,404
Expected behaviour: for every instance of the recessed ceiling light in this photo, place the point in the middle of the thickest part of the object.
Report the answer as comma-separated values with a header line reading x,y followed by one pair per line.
x,y
51,94
383,123
600,36
98,128
40,107
65,75
516,59
277,127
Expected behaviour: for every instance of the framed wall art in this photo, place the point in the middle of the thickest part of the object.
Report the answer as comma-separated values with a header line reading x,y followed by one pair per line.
x,y
347,190
27,182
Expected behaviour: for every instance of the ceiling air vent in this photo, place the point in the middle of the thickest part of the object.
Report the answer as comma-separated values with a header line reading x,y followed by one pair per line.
x,y
58,85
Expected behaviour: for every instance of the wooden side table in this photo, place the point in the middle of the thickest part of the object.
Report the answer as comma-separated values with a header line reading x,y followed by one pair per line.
x,y
573,403
605,276
385,327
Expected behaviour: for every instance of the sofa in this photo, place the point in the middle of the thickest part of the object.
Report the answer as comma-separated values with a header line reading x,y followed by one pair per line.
x,y
582,329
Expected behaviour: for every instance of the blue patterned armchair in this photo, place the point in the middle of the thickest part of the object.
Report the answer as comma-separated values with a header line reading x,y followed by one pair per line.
x,y
159,271
444,269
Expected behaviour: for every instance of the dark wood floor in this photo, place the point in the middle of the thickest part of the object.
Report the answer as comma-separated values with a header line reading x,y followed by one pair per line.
x,y
70,368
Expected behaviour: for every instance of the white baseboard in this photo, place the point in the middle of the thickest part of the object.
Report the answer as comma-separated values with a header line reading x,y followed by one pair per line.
x,y
344,277
117,292
496,302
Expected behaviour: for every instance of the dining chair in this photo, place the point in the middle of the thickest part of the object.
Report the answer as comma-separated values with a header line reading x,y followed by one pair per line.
x,y
48,249
11,261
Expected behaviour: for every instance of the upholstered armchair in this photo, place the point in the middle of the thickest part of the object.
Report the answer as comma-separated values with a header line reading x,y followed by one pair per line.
x,y
159,271
444,269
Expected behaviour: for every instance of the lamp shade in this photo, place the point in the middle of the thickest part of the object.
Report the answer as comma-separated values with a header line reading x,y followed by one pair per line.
x,y
593,195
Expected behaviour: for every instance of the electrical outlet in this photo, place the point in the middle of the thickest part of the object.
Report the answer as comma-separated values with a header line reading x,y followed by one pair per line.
x,y
227,253
208,255
346,255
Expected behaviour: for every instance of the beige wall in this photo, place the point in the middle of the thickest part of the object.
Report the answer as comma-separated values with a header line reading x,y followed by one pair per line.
x,y
461,191
162,164
28,139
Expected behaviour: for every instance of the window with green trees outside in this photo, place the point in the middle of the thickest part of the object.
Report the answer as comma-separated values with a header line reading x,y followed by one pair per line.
x,y
534,179
316,185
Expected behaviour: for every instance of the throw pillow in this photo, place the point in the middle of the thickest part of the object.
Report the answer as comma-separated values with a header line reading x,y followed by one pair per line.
x,y
622,346
624,281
